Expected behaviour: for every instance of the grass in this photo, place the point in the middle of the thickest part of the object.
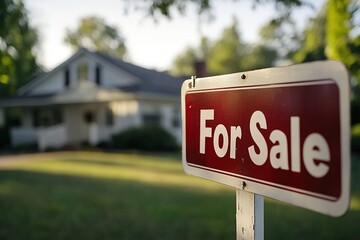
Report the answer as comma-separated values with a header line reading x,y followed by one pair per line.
x,y
94,195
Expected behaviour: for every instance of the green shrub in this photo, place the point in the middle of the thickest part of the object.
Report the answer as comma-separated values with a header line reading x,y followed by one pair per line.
x,y
355,138
146,138
355,143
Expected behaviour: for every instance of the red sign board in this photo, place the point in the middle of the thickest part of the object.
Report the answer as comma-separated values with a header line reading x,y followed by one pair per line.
x,y
281,132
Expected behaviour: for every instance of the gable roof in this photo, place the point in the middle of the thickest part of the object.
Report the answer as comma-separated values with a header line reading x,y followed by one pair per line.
x,y
150,81
147,81
148,84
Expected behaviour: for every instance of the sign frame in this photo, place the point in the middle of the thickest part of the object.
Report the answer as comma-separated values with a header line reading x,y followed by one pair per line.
x,y
307,73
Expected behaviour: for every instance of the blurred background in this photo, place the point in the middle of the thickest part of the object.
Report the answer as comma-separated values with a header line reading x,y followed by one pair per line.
x,y
81,80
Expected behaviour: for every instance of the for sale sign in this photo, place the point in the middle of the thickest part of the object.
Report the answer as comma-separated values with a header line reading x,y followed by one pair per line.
x,y
281,132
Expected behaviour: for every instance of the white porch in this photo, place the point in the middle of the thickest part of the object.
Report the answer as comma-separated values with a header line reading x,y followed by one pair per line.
x,y
55,137
44,137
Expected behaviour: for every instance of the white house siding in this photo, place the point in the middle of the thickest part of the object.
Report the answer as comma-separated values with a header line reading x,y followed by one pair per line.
x,y
73,75
51,85
99,134
99,130
170,113
126,114
115,78
110,77
91,67
77,129
166,111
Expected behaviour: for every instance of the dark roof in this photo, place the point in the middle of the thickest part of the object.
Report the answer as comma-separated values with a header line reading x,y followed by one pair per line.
x,y
150,81
147,81
28,99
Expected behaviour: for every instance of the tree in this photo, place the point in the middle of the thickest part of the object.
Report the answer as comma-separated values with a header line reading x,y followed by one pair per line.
x,y
231,54
259,56
18,42
281,34
167,7
338,29
184,63
340,44
313,44
95,34
226,54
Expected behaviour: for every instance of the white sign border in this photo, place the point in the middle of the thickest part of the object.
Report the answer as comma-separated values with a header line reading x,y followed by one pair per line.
x,y
315,71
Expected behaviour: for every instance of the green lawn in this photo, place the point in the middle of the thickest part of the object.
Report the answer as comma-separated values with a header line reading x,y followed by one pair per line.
x,y
94,195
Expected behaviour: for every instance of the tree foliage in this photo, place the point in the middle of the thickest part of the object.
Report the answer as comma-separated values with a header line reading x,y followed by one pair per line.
x,y
259,56
183,64
18,42
280,33
340,44
227,54
332,33
312,46
95,34
168,7
338,29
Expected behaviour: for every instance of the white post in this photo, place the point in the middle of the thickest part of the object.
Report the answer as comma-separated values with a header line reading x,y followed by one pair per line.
x,y
93,134
249,215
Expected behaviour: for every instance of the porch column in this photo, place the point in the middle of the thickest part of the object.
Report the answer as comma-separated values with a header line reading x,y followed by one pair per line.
x,y
93,134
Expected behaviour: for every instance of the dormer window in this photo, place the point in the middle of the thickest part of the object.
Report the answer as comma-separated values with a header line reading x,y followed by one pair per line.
x,y
83,72
98,74
67,78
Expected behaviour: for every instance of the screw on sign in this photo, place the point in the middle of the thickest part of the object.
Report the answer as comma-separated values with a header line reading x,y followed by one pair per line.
x,y
280,132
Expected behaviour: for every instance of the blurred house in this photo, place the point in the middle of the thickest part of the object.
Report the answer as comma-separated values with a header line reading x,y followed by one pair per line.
x,y
91,96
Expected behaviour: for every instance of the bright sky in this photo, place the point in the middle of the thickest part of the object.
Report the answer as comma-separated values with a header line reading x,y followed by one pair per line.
x,y
150,44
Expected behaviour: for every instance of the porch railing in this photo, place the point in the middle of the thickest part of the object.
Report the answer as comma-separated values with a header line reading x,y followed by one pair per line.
x,y
52,137
23,136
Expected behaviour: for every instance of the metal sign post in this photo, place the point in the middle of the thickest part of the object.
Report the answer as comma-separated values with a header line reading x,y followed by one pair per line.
x,y
249,215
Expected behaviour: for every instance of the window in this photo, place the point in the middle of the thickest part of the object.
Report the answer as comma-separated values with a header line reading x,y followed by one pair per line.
x,y
176,118
36,118
14,117
82,72
67,78
46,117
176,122
98,75
152,119
151,114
